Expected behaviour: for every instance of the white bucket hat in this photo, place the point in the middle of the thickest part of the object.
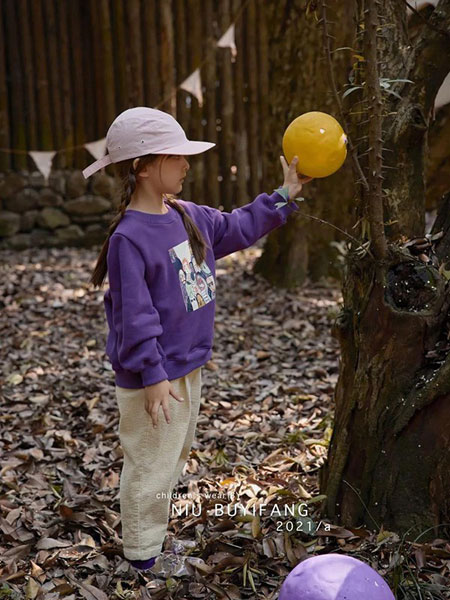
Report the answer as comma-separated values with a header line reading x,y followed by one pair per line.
x,y
143,130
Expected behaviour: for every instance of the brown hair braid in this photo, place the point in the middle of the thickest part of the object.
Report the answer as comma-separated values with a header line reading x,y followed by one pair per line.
x,y
125,174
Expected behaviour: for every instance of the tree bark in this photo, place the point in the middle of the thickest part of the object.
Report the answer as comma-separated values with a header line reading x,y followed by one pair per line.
x,y
389,455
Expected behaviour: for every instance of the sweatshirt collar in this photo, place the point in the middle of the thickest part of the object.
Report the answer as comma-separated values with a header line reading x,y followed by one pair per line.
x,y
152,217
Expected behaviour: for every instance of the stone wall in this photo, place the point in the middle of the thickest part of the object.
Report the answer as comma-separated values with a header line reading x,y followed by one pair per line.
x,y
69,211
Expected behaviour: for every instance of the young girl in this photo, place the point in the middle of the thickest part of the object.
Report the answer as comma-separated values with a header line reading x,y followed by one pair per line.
x,y
160,256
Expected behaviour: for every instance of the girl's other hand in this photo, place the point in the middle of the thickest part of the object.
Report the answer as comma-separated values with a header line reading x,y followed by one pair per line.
x,y
157,395
292,179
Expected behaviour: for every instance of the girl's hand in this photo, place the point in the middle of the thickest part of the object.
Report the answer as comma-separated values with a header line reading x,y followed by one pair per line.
x,y
292,180
157,395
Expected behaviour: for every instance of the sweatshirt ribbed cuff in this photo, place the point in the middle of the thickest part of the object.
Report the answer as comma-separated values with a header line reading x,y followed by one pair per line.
x,y
153,374
284,207
283,191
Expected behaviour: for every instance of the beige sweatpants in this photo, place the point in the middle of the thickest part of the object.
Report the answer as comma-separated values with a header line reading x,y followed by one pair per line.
x,y
153,460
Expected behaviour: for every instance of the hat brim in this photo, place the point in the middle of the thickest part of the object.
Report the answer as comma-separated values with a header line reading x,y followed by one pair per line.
x,y
97,165
188,148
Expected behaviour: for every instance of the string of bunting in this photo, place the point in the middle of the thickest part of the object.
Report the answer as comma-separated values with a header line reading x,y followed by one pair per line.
x,y
192,84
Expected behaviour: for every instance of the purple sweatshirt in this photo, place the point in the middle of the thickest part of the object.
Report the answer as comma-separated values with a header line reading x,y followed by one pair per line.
x,y
160,304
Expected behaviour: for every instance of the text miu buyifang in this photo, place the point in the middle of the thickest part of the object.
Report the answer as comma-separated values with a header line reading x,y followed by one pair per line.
x,y
220,509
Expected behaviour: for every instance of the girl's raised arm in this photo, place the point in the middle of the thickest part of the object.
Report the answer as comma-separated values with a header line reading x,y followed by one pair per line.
x,y
243,226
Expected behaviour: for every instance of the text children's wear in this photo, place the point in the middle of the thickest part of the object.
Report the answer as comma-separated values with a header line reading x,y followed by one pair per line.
x,y
160,304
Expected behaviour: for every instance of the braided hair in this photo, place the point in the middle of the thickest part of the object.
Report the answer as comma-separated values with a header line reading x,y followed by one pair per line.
x,y
125,174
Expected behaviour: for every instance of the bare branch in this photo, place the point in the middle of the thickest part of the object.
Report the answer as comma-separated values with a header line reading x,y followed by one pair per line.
x,y
326,43
373,91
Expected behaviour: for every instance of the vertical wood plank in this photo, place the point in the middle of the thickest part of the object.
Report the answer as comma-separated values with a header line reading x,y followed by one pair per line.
x,y
44,100
226,116
108,63
53,78
28,74
91,123
210,31
252,112
135,51
152,82
5,140
96,69
240,126
118,27
266,145
66,158
107,66
195,132
167,59
181,67
16,96
76,69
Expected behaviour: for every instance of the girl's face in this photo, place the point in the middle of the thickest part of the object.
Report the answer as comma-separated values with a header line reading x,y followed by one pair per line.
x,y
173,169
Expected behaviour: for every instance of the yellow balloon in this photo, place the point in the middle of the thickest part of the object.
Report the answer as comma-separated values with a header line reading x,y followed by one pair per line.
x,y
319,142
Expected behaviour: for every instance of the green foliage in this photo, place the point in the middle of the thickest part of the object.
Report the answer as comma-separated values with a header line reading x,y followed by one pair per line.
x,y
385,84
7,592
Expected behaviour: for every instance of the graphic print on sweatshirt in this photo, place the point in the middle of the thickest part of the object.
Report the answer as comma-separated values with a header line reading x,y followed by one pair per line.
x,y
197,282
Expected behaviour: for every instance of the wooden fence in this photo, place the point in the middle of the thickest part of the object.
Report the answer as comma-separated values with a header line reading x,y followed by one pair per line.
x,y
69,67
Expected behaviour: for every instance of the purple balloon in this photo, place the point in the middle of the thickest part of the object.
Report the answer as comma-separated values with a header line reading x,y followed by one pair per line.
x,y
334,577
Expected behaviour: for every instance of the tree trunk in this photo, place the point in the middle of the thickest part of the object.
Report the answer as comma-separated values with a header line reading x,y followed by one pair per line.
x,y
389,455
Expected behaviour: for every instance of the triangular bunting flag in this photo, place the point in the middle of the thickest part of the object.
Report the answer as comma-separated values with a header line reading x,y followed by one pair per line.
x,y
227,41
193,85
43,161
97,148
419,4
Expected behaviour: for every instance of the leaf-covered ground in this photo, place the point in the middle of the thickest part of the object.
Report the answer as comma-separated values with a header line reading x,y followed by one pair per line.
x,y
262,434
